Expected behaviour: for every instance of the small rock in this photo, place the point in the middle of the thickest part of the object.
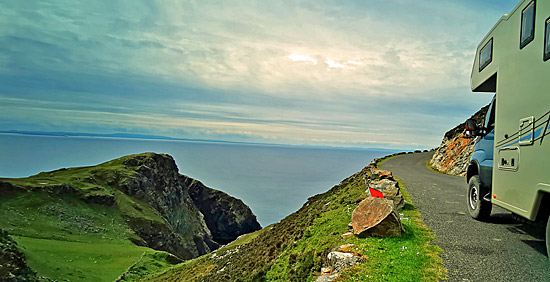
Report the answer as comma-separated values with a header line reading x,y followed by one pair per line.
x,y
378,174
347,234
340,260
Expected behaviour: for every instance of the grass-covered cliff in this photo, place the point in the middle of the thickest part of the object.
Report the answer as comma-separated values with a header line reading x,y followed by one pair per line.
x,y
95,223
296,248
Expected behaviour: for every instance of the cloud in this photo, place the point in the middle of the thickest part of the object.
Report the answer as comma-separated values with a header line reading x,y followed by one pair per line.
x,y
319,72
301,58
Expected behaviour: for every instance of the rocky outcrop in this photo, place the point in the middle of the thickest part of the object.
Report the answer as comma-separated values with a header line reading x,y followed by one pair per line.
x,y
226,217
158,183
203,216
453,155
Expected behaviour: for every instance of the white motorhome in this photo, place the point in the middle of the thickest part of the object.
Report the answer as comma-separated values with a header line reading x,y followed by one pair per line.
x,y
510,166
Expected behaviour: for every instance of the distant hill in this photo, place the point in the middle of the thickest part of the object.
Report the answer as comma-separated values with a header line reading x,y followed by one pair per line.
x,y
93,223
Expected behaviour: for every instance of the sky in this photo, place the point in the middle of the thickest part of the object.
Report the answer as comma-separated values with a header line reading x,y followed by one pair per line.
x,y
368,74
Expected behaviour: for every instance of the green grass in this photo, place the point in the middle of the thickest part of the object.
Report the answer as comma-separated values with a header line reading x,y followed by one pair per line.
x,y
77,261
149,263
244,239
41,215
191,270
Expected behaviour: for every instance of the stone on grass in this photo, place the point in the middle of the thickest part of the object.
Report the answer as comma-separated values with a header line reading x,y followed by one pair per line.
x,y
340,260
377,218
347,234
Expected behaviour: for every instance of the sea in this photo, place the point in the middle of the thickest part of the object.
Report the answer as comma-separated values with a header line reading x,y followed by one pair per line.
x,y
273,180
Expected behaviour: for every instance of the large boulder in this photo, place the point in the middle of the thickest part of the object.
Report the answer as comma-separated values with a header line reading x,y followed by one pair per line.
x,y
376,217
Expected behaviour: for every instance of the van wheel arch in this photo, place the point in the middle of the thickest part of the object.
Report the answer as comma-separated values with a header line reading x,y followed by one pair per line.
x,y
473,169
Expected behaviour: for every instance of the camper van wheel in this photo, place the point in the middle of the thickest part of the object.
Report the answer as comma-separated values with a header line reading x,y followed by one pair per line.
x,y
477,207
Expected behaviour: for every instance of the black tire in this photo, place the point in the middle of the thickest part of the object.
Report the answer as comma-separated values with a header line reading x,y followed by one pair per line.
x,y
477,207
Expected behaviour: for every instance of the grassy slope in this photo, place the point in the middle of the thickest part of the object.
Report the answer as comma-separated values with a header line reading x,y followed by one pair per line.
x,y
282,253
67,238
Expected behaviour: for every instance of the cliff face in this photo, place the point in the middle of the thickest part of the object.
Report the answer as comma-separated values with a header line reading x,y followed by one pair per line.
x,y
453,155
226,217
207,216
158,183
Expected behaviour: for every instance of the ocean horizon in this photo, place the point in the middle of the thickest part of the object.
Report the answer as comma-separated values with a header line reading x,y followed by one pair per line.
x,y
273,180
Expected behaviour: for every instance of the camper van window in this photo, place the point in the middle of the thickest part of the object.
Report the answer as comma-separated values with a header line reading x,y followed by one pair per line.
x,y
486,55
547,40
527,25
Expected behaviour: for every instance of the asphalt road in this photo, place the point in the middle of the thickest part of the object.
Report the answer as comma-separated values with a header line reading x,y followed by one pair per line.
x,y
501,249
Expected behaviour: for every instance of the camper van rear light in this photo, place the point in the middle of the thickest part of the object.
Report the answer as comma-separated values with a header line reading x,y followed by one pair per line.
x,y
486,55
547,40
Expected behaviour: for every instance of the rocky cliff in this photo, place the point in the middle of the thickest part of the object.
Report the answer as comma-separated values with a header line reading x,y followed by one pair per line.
x,y
140,198
184,201
226,217
453,155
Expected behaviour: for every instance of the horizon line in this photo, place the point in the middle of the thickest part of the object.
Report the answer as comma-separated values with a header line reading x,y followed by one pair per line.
x,y
120,135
